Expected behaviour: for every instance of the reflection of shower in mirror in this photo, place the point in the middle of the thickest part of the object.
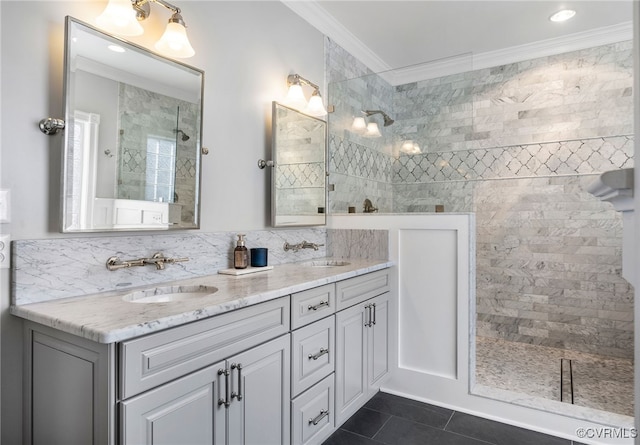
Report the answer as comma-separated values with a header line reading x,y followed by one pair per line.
x,y
185,137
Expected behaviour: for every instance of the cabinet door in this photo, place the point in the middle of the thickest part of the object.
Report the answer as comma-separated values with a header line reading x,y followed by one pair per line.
x,y
260,399
378,342
351,350
185,411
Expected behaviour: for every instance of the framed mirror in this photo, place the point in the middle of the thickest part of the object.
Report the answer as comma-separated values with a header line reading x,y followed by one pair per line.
x,y
298,182
132,149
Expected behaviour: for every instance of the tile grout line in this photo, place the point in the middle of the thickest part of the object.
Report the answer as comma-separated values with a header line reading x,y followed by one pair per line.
x,y
383,425
444,428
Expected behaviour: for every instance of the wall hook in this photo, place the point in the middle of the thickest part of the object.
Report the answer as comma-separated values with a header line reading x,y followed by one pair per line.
x,y
50,126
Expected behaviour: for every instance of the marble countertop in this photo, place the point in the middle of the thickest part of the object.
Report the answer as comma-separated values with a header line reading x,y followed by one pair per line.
x,y
107,318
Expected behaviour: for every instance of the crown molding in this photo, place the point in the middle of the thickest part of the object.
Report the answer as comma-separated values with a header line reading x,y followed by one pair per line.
x,y
324,22
542,48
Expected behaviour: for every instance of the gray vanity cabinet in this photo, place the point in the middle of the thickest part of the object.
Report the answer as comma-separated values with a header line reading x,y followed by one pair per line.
x,y
362,354
183,411
259,410
285,371
243,400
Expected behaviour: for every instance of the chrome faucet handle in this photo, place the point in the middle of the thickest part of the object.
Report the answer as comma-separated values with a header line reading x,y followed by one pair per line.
x,y
176,260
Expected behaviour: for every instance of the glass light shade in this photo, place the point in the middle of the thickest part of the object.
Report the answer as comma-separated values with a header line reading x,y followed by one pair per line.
x,y
410,147
295,97
174,42
372,130
315,107
563,15
359,125
119,17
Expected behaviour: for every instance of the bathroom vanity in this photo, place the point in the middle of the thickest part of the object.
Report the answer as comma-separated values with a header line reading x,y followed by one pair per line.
x,y
277,357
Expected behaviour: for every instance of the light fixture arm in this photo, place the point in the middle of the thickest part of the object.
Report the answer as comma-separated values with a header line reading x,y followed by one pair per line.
x,y
387,120
143,8
296,79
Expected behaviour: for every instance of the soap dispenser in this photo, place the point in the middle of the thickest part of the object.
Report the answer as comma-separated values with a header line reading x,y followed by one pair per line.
x,y
240,254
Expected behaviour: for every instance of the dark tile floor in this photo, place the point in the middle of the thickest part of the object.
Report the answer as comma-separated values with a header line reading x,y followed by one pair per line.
x,y
389,419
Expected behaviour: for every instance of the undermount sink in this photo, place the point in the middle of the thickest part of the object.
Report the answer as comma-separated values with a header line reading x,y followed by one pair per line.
x,y
169,294
325,263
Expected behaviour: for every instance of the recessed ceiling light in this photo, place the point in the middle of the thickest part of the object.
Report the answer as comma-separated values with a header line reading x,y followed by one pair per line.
x,y
116,48
563,15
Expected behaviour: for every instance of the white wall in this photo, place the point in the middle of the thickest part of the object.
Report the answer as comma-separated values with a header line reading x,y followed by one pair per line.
x,y
246,50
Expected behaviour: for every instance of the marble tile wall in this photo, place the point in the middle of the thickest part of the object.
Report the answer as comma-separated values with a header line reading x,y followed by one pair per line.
x,y
359,167
50,269
575,95
549,266
516,144
369,244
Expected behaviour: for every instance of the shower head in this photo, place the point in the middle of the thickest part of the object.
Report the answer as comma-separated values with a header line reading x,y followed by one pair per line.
x,y
387,120
184,137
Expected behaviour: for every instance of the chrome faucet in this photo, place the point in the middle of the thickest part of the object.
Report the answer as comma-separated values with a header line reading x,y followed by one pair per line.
x,y
158,259
302,245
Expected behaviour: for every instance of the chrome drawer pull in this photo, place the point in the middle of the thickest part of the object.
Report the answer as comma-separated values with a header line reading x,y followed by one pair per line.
x,y
319,305
323,413
239,368
225,401
374,314
367,322
322,352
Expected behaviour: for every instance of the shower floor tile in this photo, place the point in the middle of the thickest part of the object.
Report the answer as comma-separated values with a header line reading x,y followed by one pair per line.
x,y
599,382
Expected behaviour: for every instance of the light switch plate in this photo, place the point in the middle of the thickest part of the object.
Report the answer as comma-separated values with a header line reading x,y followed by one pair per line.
x,y
5,251
4,206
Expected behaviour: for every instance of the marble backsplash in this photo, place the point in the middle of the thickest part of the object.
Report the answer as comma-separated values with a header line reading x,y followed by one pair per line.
x,y
363,243
51,269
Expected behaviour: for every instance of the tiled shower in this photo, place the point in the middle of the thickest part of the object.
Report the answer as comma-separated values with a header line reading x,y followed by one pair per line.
x,y
517,145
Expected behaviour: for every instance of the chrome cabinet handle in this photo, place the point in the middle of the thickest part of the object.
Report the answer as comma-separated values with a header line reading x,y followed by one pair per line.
x,y
319,354
239,393
323,413
319,305
374,314
367,321
225,401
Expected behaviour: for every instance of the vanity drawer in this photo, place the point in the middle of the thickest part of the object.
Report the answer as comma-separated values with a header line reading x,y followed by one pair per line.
x,y
312,419
357,289
149,361
313,304
313,355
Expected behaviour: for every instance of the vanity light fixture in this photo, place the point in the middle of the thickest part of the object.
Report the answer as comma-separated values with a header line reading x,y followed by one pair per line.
x,y
371,129
295,96
359,125
122,16
411,148
563,15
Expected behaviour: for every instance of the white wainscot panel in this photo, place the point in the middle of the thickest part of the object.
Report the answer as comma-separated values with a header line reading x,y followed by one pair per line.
x,y
428,309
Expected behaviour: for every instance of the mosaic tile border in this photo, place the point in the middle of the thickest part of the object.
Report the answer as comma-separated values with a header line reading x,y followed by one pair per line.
x,y
573,157
309,174
353,159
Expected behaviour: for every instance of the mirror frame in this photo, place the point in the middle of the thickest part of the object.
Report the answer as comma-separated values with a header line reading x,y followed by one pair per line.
x,y
68,116
274,154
